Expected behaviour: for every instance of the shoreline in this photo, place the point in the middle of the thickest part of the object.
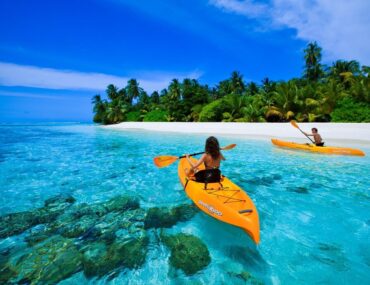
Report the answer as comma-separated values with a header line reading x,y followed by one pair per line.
x,y
348,133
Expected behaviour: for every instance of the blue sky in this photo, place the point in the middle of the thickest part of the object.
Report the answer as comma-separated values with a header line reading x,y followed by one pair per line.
x,y
55,55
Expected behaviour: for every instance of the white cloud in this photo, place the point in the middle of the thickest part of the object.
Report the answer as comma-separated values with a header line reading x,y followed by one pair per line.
x,y
33,76
340,27
30,95
247,8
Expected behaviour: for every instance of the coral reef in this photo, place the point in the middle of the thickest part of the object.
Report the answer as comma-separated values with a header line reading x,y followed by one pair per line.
x,y
64,237
188,252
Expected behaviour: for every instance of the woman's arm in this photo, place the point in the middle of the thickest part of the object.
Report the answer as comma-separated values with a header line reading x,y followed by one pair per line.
x,y
199,162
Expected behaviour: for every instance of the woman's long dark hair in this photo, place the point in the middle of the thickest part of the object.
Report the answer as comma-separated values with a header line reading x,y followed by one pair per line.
x,y
213,147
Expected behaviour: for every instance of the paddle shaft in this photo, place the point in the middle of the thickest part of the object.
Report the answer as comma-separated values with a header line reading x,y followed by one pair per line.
x,y
165,160
191,154
230,146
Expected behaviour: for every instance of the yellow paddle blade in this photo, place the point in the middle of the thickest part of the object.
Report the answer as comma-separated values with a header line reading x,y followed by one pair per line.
x,y
164,160
230,146
294,124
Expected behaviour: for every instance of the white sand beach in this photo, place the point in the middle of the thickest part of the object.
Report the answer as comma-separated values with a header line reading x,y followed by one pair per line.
x,y
344,133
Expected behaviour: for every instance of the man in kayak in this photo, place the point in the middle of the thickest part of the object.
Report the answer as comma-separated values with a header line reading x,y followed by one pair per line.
x,y
316,136
211,159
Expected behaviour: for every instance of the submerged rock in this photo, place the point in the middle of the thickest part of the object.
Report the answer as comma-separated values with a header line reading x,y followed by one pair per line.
x,y
185,212
48,262
79,227
188,253
133,252
166,217
100,259
61,217
121,203
16,223
96,261
108,225
299,189
112,235
331,255
92,222
60,199
6,272
246,277
159,218
38,234
265,180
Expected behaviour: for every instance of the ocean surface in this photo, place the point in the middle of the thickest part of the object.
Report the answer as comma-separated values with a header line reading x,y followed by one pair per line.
x,y
314,209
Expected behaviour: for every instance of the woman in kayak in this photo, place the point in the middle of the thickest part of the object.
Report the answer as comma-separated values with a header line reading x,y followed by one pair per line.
x,y
211,159
316,136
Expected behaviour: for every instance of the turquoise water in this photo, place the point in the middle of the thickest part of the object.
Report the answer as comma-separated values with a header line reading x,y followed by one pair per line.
x,y
314,209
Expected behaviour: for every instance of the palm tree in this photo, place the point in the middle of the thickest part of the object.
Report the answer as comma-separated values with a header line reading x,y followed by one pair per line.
x,y
174,90
99,109
236,83
256,109
172,102
96,100
155,98
252,88
287,102
144,101
222,89
133,90
342,66
112,92
360,90
344,71
116,111
122,96
268,85
313,69
332,92
236,104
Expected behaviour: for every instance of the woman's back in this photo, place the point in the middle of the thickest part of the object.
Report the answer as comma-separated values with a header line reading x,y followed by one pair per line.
x,y
211,163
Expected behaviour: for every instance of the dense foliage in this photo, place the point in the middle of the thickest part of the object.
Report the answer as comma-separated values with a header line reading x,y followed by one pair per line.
x,y
339,93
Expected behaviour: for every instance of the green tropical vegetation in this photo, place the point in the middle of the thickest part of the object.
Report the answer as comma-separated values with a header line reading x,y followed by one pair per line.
x,y
336,93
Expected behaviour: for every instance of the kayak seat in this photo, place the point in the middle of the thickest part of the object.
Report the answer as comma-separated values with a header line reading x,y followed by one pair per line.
x,y
208,176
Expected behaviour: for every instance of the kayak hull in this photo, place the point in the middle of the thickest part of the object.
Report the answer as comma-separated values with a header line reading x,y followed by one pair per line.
x,y
226,202
318,149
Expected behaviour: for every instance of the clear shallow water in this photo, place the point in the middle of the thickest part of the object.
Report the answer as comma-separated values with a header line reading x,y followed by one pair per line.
x,y
314,209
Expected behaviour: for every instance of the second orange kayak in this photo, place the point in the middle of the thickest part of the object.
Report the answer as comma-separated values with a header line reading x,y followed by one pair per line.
x,y
320,149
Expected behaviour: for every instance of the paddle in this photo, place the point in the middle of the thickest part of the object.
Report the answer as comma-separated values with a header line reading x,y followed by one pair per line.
x,y
165,160
294,124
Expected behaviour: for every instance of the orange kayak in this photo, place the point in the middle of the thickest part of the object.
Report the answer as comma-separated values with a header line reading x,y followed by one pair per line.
x,y
223,201
321,149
